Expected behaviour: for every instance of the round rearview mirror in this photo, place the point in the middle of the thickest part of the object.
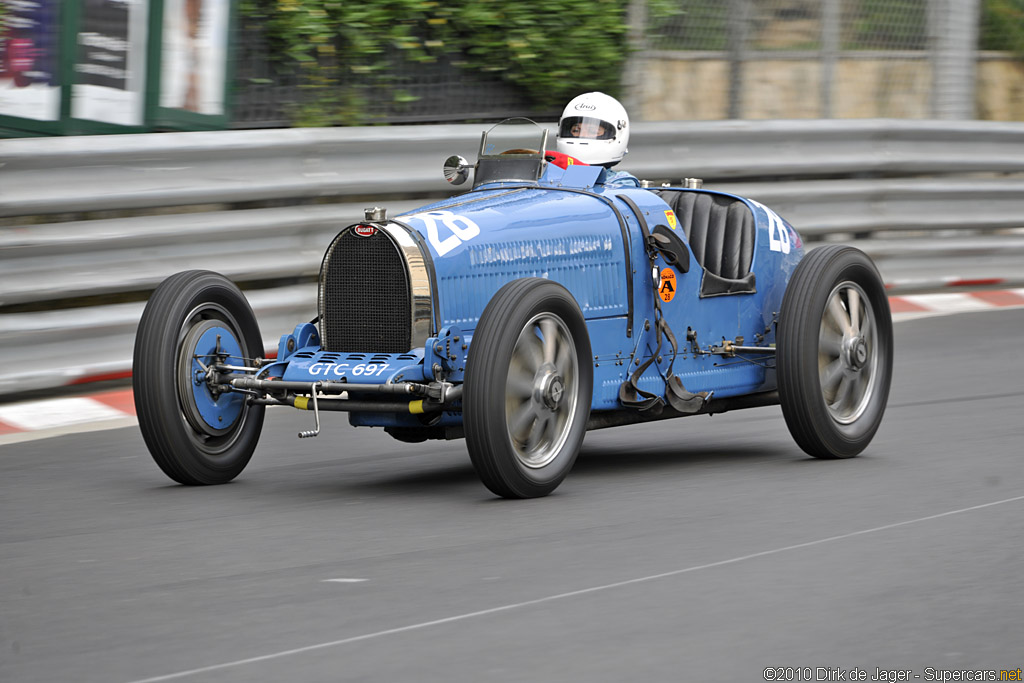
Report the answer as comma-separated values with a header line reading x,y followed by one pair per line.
x,y
456,170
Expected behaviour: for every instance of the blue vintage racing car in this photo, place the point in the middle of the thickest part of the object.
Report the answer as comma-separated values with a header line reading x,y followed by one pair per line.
x,y
540,304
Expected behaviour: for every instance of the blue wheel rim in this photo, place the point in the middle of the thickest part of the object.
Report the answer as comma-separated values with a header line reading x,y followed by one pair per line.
x,y
218,412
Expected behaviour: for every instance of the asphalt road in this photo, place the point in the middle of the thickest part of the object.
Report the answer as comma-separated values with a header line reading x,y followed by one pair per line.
x,y
701,549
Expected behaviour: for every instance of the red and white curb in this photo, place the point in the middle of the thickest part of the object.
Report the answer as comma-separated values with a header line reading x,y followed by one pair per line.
x,y
949,282
909,306
30,420
112,409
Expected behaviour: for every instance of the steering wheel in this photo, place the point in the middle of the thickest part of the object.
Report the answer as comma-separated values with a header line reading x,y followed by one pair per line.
x,y
520,150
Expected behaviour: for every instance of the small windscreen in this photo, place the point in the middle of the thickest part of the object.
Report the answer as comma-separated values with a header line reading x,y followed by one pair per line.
x,y
516,135
586,128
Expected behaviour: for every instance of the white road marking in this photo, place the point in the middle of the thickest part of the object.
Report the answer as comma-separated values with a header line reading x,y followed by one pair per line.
x,y
343,580
570,594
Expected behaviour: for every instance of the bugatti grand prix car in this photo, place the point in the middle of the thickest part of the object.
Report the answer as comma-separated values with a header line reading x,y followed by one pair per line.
x,y
542,303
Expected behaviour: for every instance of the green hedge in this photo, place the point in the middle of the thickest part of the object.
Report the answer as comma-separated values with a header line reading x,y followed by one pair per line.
x,y
1002,26
551,49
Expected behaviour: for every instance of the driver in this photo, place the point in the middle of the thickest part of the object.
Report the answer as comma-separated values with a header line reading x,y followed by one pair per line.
x,y
594,128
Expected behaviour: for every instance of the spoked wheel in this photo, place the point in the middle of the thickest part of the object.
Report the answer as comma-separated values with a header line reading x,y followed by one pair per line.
x,y
834,352
543,387
848,362
196,435
528,389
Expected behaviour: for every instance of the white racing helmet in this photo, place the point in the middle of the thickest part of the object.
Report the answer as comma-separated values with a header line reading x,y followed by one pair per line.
x,y
594,128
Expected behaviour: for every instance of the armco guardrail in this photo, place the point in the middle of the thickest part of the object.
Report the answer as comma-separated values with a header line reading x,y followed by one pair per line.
x,y
57,175
90,218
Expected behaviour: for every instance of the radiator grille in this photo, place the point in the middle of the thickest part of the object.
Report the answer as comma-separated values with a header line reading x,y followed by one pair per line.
x,y
365,295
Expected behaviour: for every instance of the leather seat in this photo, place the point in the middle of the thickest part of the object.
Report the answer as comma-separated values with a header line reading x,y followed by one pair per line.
x,y
720,231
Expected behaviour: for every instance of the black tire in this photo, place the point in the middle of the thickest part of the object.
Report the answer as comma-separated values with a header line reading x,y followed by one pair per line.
x,y
528,387
834,352
186,448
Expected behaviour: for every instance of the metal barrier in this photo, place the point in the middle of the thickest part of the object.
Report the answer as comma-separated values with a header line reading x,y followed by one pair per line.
x,y
117,172
101,219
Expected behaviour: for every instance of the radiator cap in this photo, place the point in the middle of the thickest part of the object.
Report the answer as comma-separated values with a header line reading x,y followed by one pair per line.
x,y
375,214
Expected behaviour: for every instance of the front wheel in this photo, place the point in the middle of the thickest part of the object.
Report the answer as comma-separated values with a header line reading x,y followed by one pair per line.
x,y
195,435
835,352
528,389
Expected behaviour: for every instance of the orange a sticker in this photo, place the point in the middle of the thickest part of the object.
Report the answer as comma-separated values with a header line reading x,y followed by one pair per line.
x,y
670,216
667,286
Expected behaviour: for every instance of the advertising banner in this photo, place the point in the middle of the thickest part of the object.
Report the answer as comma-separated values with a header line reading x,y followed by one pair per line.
x,y
194,56
74,67
29,47
110,69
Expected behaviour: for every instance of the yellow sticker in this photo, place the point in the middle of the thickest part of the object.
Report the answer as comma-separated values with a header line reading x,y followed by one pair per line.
x,y
670,216
667,286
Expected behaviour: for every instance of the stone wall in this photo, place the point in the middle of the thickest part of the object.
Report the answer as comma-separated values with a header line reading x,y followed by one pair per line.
x,y
1000,89
685,86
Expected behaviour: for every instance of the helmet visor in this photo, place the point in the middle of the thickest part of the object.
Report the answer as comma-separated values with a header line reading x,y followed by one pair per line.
x,y
586,128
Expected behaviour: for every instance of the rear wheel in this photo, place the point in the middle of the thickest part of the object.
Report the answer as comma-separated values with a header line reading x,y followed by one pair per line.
x,y
528,389
835,352
195,435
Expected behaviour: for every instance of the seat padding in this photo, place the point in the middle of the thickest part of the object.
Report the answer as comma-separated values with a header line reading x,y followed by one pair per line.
x,y
720,231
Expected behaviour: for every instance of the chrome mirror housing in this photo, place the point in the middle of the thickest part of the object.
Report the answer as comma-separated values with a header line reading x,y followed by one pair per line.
x,y
456,169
